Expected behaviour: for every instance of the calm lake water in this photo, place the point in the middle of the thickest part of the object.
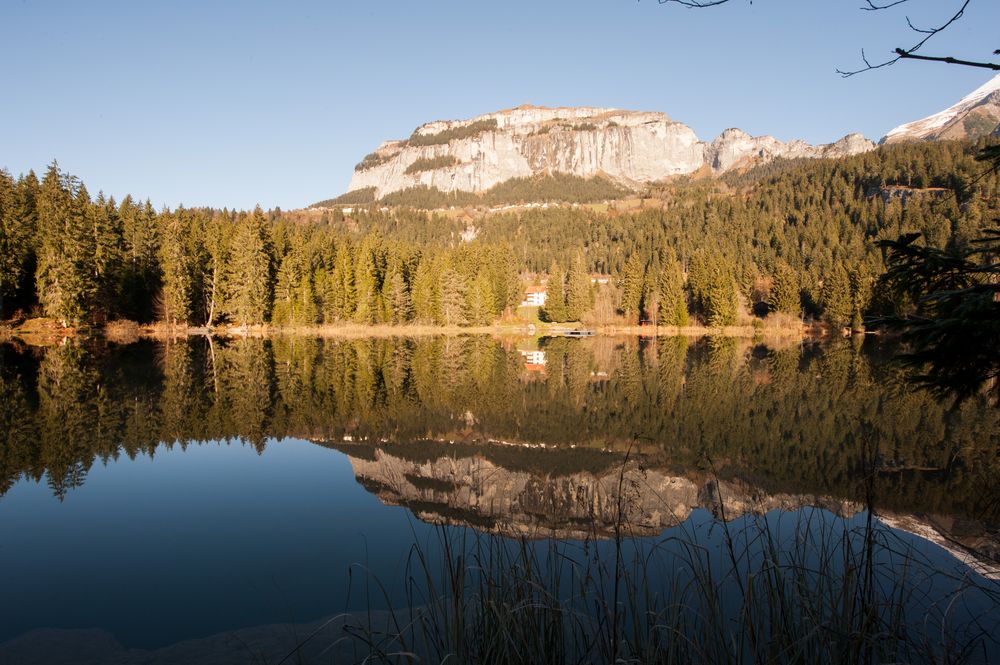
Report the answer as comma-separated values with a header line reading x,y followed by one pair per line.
x,y
156,493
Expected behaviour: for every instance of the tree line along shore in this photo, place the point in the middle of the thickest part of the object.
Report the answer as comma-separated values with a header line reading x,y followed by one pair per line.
x,y
767,249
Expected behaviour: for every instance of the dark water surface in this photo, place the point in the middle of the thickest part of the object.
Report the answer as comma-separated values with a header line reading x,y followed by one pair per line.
x,y
161,492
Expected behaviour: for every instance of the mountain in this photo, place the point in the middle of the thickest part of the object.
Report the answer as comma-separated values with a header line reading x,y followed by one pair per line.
x,y
975,116
629,147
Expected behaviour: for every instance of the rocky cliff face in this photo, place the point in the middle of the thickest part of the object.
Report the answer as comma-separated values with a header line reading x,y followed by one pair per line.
x,y
627,146
974,116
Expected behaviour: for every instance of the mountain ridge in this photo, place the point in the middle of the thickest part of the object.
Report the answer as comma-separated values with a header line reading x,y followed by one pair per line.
x,y
630,148
974,116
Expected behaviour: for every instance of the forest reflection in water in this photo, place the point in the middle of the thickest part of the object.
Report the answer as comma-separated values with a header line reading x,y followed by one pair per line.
x,y
801,420
549,438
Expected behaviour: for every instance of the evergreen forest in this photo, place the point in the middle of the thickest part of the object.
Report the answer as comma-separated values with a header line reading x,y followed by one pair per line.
x,y
798,237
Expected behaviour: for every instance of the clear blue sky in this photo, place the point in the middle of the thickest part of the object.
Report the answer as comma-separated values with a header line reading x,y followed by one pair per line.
x,y
235,103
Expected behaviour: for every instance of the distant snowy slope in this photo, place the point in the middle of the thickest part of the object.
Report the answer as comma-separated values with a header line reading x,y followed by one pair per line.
x,y
977,114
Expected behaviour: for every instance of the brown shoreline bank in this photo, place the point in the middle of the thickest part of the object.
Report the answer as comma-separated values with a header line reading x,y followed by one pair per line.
x,y
48,331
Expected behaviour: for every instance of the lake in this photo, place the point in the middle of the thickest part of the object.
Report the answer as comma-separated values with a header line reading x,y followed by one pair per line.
x,y
207,500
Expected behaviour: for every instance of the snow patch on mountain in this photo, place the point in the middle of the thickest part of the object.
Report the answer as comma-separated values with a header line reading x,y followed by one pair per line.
x,y
936,126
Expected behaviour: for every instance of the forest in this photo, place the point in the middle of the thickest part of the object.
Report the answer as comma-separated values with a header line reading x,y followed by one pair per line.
x,y
797,237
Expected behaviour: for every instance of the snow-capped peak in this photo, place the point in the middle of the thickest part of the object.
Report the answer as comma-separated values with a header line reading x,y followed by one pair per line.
x,y
924,128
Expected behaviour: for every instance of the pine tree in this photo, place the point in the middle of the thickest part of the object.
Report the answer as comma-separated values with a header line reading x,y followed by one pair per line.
x,y
426,292
452,298
670,283
631,284
481,300
177,297
838,303
554,310
579,295
341,295
216,243
504,269
251,278
16,230
65,273
784,296
140,279
720,297
108,258
286,289
400,304
369,273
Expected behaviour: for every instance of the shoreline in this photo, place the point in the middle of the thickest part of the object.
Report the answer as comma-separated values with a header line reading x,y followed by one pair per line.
x,y
46,331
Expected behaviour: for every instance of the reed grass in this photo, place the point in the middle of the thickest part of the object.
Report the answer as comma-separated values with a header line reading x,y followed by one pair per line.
x,y
800,588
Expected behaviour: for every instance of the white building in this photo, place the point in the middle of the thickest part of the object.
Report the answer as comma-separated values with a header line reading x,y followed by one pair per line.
x,y
534,297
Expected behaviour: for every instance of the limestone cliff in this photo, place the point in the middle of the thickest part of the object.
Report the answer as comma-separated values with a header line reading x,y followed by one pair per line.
x,y
630,147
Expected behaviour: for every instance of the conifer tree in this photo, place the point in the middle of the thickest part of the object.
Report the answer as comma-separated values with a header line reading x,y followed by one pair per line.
x,y
369,273
65,274
784,296
217,258
16,229
108,243
251,278
579,295
631,282
481,300
400,304
838,303
670,283
504,269
177,296
140,279
720,297
453,303
426,291
341,293
554,310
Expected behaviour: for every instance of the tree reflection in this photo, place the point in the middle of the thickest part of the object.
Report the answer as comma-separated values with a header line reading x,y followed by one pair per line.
x,y
788,419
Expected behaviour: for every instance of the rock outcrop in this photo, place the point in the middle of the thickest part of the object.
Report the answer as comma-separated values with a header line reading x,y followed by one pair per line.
x,y
975,116
629,147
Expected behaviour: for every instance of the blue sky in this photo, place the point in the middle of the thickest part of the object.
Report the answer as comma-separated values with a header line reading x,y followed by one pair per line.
x,y
238,103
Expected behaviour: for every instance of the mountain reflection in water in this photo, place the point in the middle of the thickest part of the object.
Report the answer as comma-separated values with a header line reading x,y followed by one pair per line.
x,y
475,431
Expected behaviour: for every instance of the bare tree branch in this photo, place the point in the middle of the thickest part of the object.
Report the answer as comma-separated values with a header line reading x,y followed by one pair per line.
x,y
900,53
947,59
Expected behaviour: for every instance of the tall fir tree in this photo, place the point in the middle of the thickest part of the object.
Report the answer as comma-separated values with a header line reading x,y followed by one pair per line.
x,y
481,300
251,279
341,293
838,303
784,296
670,283
369,273
631,283
16,231
399,301
453,305
176,265
554,310
426,291
65,274
108,257
579,294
